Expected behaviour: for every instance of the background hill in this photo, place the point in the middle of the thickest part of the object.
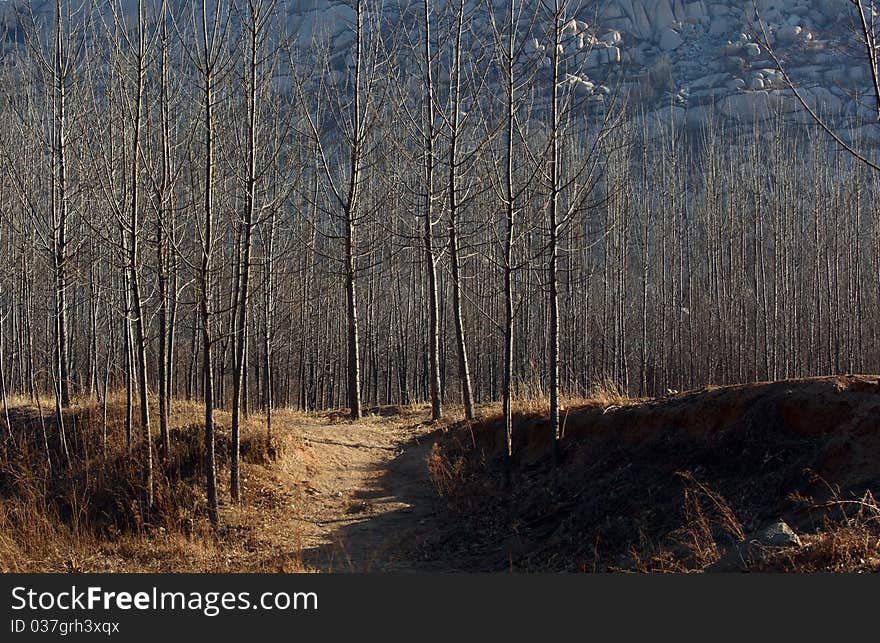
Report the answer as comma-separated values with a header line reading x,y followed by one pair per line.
x,y
680,60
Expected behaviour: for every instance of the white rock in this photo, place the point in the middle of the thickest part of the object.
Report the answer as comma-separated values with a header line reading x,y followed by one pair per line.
x,y
669,39
641,22
779,534
856,73
612,11
772,78
752,49
666,116
698,116
662,16
575,27
678,10
626,7
344,40
579,86
594,58
720,27
822,100
612,55
342,14
749,106
612,38
789,33
695,10
771,16
710,80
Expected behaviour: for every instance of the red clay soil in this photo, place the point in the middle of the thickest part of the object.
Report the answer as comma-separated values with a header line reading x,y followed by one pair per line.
x,y
659,484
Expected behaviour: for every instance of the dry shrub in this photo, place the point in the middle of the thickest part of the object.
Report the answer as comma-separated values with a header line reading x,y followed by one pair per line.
x,y
530,395
83,511
531,400
446,472
709,520
709,526
258,448
648,557
847,540
607,393
458,475
31,530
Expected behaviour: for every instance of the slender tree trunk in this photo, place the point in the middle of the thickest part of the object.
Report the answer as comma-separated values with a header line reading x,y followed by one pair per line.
x,y
59,227
239,364
553,226
428,230
134,264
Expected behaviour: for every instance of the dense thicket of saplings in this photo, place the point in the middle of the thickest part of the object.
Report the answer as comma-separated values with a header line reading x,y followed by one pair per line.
x,y
198,206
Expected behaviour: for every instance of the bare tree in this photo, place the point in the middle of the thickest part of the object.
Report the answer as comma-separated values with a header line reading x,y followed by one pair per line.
x,y
256,22
211,59
356,101
455,162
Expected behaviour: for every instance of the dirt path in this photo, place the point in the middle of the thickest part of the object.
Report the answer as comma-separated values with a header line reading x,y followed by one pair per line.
x,y
369,501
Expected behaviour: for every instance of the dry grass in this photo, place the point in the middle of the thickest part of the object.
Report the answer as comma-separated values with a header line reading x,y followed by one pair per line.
x,y
533,401
847,540
607,393
617,508
457,482
90,515
710,526
664,501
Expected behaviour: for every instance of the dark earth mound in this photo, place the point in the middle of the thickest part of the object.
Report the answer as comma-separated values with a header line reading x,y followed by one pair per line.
x,y
689,482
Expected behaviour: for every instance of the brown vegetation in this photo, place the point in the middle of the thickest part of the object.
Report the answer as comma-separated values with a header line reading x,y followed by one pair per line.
x,y
679,484
90,515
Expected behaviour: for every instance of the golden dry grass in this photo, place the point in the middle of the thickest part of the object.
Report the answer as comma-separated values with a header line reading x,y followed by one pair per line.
x,y
89,515
533,401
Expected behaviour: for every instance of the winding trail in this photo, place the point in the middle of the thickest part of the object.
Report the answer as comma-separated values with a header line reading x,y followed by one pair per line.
x,y
369,501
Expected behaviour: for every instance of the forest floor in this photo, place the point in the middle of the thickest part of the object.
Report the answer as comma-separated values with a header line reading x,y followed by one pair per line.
x,y
777,476
333,496
370,499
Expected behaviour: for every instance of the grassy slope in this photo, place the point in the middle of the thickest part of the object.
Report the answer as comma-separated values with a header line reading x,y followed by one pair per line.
x,y
90,516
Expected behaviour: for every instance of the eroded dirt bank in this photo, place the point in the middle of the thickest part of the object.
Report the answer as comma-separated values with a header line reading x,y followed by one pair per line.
x,y
677,483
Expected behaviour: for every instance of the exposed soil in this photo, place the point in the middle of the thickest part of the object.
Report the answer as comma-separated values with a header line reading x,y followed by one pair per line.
x,y
655,485
370,500
673,484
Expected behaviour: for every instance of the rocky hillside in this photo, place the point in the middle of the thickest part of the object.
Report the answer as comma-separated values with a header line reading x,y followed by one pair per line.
x,y
688,59
680,60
